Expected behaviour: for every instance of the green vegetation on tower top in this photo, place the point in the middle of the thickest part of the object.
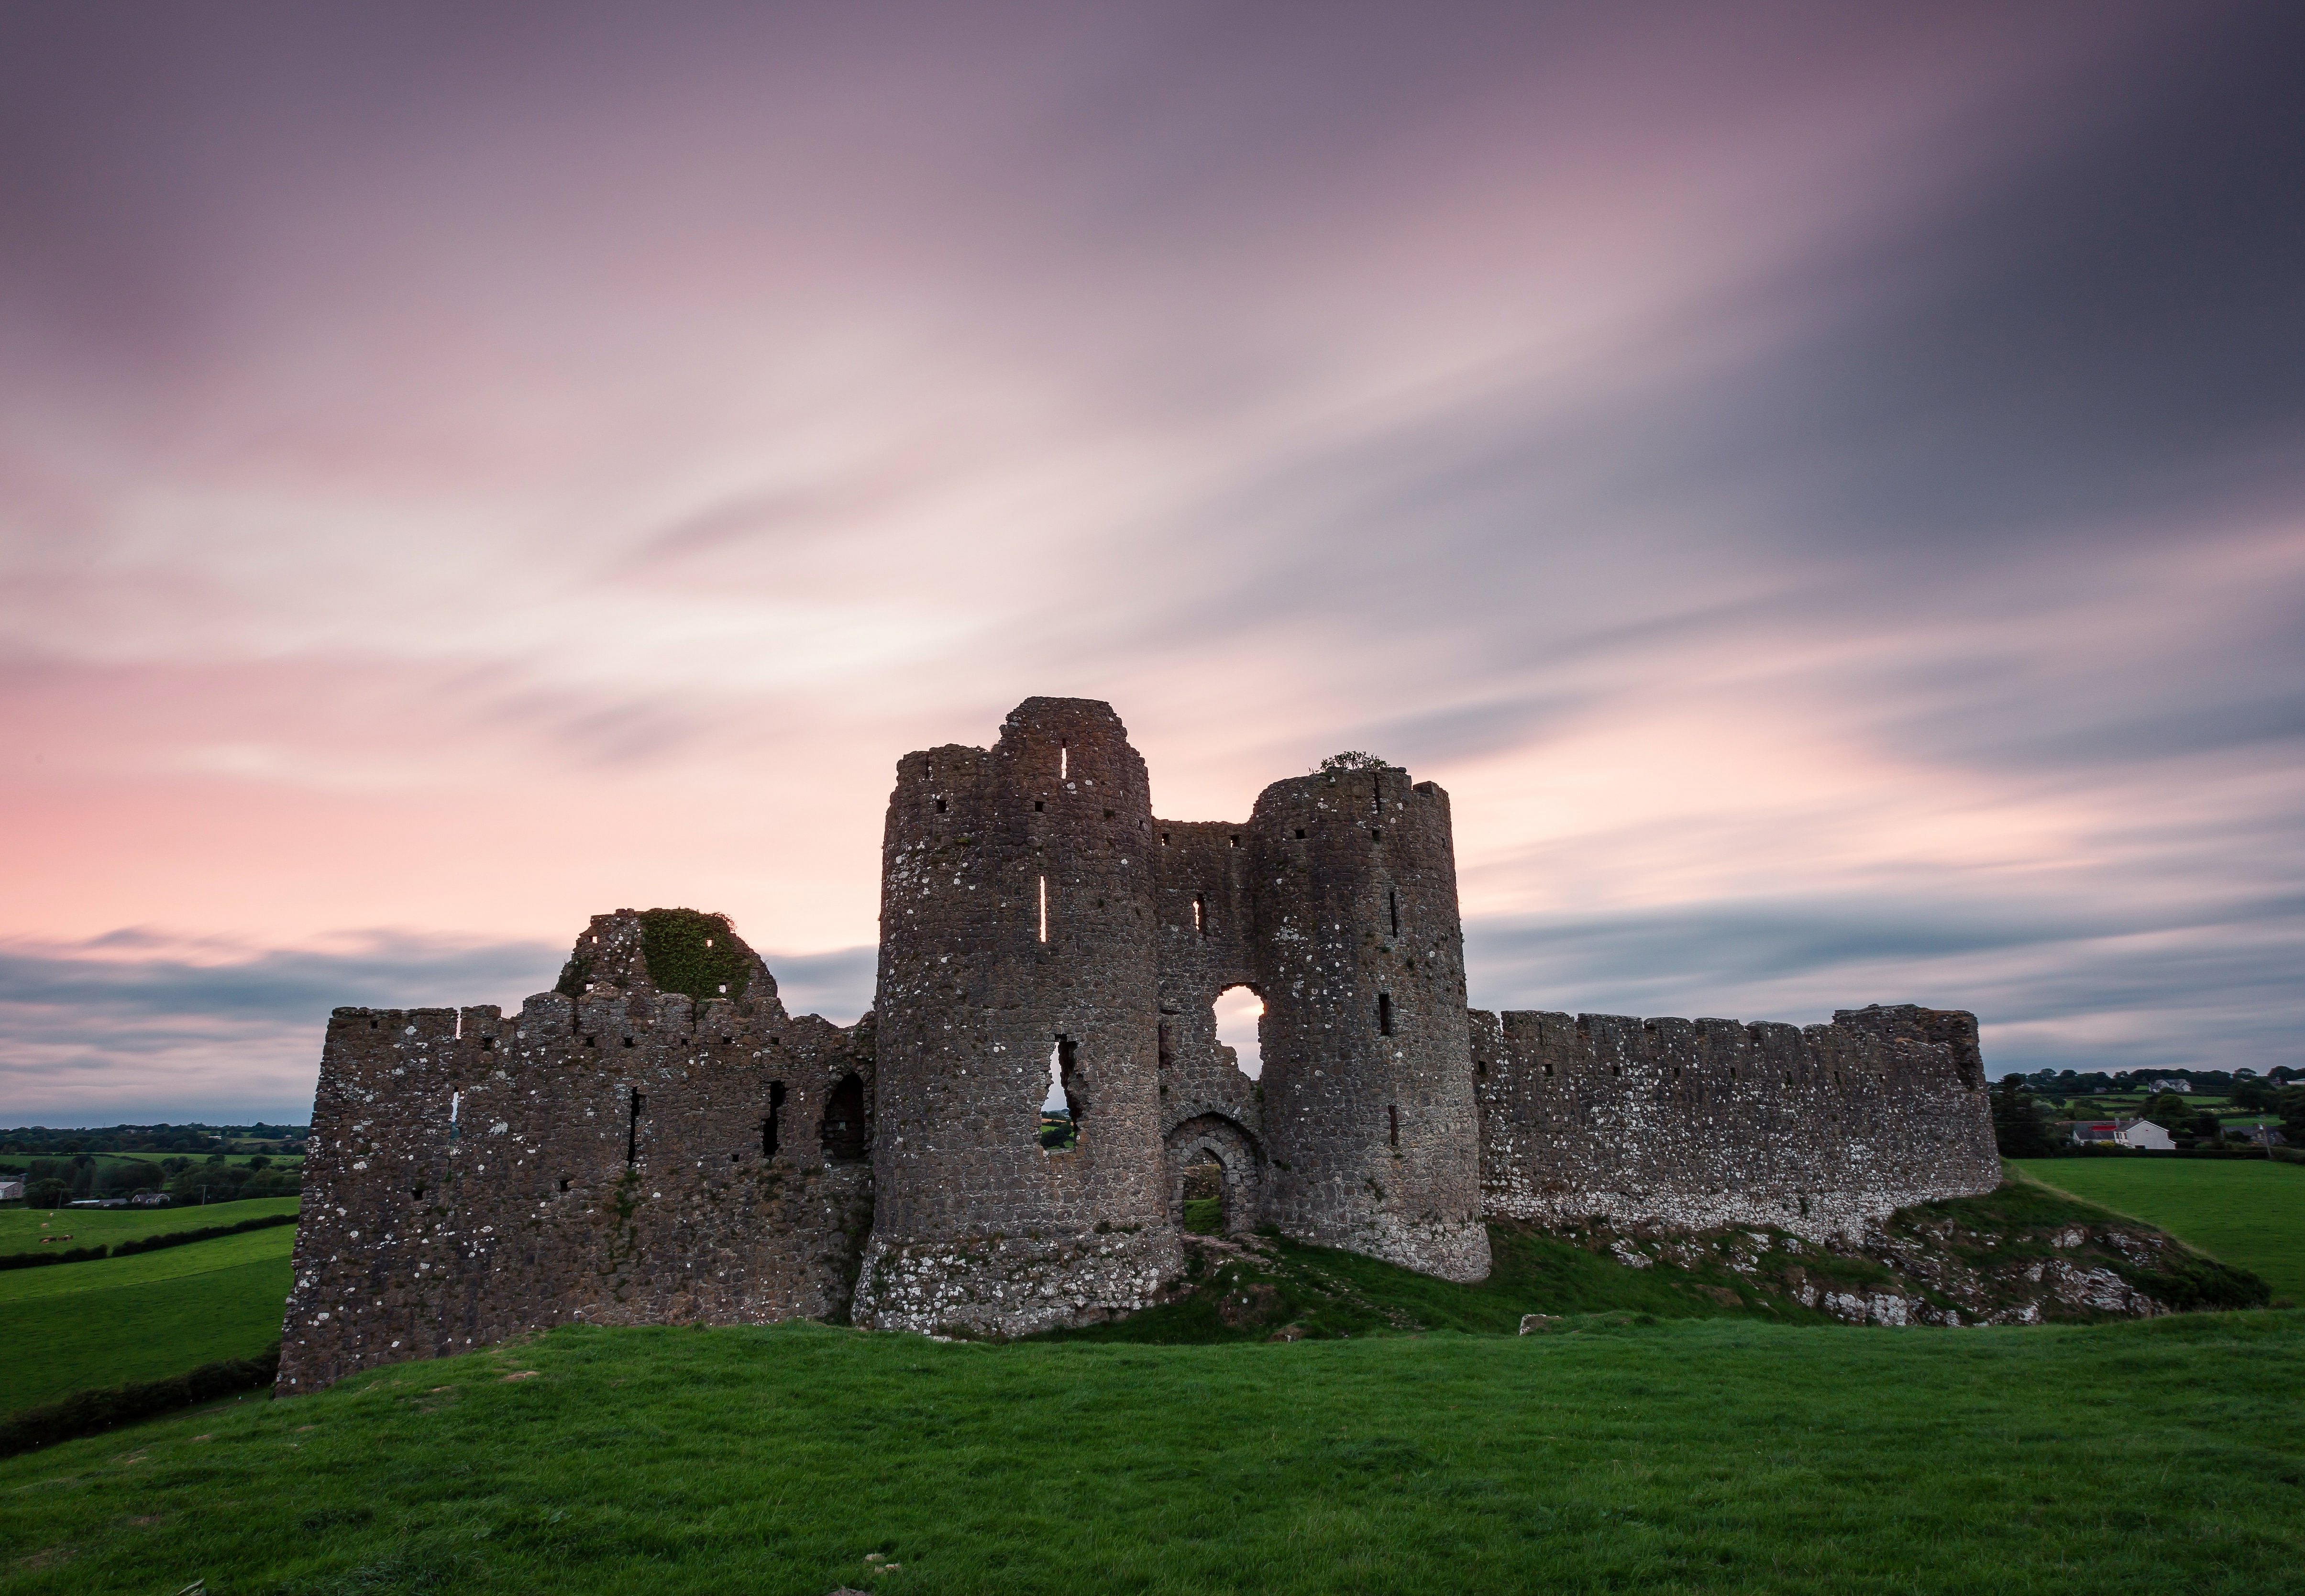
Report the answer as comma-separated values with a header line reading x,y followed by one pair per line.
x,y
694,953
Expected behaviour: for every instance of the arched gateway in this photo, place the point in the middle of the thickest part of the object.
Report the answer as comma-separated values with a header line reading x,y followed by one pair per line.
x,y
1212,1137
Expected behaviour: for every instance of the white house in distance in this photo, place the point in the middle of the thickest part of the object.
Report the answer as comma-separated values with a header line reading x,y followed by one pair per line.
x,y
2123,1132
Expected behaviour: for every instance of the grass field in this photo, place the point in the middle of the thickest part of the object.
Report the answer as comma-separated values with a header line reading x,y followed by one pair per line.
x,y
73,1327
22,1228
1696,1454
2237,1209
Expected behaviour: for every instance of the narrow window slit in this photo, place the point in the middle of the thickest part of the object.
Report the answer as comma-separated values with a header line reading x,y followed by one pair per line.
x,y
1392,903
1060,1128
633,1131
1044,908
844,1130
1385,1013
1392,1117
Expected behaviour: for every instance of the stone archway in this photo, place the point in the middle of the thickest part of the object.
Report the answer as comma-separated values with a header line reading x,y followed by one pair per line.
x,y
1213,1137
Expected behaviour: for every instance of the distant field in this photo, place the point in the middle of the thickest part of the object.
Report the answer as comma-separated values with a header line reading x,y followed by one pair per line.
x,y
22,1228
138,1329
17,1162
144,1268
1682,1457
2242,1211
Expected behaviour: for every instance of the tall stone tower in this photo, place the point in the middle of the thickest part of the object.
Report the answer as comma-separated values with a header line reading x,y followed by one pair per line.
x,y
1371,1128
1017,958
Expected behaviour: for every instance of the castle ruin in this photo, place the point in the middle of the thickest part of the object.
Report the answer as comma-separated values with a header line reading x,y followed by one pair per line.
x,y
656,1141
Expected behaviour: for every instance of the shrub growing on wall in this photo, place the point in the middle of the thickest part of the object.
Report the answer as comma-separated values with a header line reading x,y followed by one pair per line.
x,y
694,953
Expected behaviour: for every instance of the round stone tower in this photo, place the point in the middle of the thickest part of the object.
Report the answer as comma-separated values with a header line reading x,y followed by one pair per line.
x,y
1018,963
1369,1118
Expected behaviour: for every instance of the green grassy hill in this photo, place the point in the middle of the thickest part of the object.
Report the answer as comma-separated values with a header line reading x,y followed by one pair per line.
x,y
2241,1211
1692,1455
73,1327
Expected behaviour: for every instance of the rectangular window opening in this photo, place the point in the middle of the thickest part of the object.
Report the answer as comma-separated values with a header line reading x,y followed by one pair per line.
x,y
1044,908
1040,806
1392,902
1201,915
1393,1114
1385,1013
633,1131
1064,762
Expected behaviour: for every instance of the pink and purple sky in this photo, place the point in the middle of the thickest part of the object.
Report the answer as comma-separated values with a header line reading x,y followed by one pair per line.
x,y
1823,487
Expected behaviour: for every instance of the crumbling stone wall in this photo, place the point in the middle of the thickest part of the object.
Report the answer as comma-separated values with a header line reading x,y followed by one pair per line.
x,y
656,1141
615,1154
1821,1129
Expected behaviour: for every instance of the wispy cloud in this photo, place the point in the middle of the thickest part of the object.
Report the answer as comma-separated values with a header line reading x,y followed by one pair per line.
x,y
1822,489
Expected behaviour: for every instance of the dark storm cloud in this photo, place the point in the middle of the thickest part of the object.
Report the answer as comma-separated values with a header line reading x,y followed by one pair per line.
x,y
2108,329
142,977
2211,987
139,1027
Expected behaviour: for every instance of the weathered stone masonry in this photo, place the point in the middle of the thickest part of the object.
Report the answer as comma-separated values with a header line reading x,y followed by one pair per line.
x,y
1691,1125
658,1142
616,1154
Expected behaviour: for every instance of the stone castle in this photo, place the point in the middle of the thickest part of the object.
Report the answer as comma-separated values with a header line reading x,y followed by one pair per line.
x,y
656,1141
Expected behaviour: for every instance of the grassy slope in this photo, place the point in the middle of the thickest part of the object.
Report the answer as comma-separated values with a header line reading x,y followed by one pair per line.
x,y
1319,1292
75,1327
2246,1213
1326,1293
22,1228
1689,1454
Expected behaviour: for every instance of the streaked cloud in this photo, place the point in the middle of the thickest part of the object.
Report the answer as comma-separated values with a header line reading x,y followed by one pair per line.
x,y
1822,489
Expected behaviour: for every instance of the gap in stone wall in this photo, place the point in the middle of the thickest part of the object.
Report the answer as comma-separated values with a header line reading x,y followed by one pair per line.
x,y
1237,1011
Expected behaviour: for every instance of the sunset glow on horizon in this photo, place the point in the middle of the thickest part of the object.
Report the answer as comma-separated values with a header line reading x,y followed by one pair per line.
x,y
1823,489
